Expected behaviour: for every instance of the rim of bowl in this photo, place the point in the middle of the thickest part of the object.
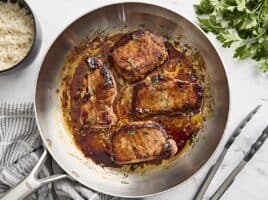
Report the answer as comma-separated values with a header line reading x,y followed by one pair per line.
x,y
24,4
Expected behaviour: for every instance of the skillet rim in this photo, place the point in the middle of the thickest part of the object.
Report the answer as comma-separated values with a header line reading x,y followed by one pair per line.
x,y
202,164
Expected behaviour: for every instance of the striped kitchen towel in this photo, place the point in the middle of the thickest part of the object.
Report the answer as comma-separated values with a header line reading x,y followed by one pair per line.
x,y
20,149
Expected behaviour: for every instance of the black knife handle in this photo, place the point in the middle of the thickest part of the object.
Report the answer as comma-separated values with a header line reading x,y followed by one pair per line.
x,y
255,147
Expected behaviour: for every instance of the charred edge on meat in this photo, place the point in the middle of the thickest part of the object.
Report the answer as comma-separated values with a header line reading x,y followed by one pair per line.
x,y
126,38
93,63
107,77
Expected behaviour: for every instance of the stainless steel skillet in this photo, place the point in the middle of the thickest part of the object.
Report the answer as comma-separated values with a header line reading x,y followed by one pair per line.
x,y
49,115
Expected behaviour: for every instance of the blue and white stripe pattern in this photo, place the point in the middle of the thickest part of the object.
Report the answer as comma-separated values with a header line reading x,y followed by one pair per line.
x,y
20,148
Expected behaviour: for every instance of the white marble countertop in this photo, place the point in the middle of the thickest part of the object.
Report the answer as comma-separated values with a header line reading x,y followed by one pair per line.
x,y
248,88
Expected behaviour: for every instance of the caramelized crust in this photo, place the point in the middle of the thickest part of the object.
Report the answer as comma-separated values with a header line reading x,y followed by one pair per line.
x,y
141,141
165,95
98,94
138,53
177,68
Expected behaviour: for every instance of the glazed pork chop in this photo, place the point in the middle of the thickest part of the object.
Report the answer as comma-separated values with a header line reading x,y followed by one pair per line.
x,y
141,141
138,53
165,95
98,94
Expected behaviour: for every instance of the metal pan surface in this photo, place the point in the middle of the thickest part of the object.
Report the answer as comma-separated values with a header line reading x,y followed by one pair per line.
x,y
49,114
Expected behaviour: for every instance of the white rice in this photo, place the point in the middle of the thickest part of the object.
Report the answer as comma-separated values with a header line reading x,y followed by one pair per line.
x,y
16,34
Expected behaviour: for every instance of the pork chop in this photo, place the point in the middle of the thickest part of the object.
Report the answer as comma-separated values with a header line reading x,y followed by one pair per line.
x,y
98,94
138,53
141,141
165,95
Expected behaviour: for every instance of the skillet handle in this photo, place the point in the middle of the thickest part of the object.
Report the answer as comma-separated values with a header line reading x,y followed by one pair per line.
x,y
31,182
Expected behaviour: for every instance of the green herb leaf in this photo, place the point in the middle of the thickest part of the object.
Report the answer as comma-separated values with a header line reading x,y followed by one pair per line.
x,y
98,55
264,65
205,7
242,24
211,24
130,61
146,132
244,51
155,79
228,38
131,132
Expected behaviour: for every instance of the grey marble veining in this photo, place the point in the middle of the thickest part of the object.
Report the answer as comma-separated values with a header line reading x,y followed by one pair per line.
x,y
248,88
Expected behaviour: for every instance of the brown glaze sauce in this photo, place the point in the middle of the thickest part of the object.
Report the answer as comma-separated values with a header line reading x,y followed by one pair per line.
x,y
96,144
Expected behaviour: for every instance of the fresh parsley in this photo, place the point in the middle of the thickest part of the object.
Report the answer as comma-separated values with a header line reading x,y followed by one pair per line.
x,y
131,62
98,55
146,132
155,79
131,132
242,24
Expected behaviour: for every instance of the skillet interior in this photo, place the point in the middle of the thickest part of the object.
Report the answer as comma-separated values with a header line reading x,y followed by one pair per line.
x,y
59,142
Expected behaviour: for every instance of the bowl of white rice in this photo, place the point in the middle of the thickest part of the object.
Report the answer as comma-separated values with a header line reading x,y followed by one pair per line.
x,y
20,34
